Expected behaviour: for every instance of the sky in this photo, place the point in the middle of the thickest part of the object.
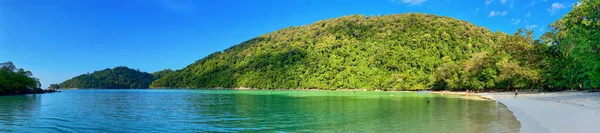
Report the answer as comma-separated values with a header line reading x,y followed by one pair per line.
x,y
61,39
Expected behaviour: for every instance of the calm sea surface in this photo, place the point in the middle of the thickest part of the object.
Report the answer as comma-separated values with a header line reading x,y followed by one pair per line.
x,y
144,111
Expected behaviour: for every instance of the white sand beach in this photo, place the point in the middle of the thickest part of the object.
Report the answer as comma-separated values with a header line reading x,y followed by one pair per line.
x,y
559,112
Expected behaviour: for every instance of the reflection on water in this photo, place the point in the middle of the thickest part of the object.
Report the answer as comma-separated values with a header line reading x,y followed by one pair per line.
x,y
227,110
15,109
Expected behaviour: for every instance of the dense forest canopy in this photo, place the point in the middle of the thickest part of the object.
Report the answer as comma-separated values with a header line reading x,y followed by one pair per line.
x,y
162,73
394,52
17,81
117,78
572,58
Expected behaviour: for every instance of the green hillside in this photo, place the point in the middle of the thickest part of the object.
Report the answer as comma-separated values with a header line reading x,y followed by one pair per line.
x,y
116,78
162,73
393,52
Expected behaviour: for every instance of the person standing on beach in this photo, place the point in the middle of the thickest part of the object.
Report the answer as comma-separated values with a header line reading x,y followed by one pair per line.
x,y
516,93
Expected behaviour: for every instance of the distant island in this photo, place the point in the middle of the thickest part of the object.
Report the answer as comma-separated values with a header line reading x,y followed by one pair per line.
x,y
120,77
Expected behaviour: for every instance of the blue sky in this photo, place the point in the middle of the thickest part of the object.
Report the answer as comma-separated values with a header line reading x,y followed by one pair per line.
x,y
60,39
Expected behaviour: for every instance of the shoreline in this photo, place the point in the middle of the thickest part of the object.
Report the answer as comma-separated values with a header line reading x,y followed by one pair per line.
x,y
40,91
552,112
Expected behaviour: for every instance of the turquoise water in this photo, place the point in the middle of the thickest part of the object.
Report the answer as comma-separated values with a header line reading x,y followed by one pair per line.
x,y
254,111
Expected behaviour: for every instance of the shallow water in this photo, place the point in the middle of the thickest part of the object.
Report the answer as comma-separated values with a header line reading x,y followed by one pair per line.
x,y
250,110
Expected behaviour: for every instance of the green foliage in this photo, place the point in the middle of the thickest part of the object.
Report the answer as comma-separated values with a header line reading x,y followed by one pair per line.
x,y
16,81
572,59
117,78
394,52
161,73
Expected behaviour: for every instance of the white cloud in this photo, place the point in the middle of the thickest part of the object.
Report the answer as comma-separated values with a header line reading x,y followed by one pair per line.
x,y
511,4
487,2
498,13
528,14
503,1
493,13
533,3
556,6
409,2
574,4
476,10
529,27
515,21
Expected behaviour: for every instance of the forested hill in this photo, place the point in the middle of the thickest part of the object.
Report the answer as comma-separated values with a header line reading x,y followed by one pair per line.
x,y
161,73
15,81
393,52
116,78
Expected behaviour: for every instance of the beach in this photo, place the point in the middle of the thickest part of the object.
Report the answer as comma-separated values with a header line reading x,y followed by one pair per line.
x,y
558,112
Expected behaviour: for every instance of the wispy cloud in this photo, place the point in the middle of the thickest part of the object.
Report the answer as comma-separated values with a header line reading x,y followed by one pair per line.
x,y
530,27
528,14
503,1
476,10
498,13
488,2
511,4
409,2
515,21
575,4
555,7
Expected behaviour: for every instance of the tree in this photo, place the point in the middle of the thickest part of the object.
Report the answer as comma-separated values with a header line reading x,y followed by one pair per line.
x,y
573,60
17,81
